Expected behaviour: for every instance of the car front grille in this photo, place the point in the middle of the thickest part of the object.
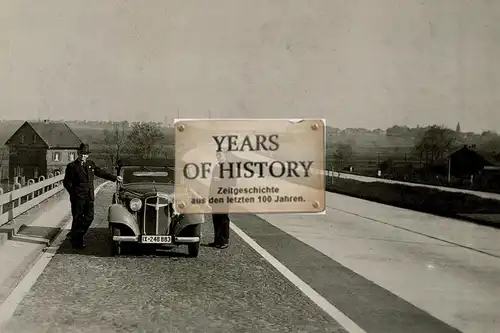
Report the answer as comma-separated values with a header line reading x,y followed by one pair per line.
x,y
156,216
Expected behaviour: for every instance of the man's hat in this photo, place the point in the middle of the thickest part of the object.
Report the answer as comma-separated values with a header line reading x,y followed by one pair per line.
x,y
84,149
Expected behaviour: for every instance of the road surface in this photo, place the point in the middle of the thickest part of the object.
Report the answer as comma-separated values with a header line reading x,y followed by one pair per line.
x,y
387,269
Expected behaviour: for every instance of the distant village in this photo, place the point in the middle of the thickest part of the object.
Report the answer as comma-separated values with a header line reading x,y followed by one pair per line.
x,y
430,154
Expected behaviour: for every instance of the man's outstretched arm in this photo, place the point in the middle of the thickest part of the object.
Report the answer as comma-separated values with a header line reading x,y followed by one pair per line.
x,y
99,172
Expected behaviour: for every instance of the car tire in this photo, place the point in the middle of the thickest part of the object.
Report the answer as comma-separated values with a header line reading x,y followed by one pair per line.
x,y
194,248
115,247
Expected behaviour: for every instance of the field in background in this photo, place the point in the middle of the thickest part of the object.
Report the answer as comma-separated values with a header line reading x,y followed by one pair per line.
x,y
369,149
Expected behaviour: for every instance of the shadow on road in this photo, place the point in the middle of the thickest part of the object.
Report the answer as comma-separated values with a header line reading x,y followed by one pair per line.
x,y
98,245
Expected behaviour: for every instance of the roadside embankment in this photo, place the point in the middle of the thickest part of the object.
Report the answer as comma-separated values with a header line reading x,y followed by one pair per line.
x,y
428,200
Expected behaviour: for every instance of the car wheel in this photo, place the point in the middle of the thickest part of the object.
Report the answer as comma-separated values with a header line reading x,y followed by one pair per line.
x,y
194,248
116,247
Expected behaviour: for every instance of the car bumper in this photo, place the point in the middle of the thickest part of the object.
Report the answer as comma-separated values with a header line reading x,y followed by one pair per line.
x,y
174,239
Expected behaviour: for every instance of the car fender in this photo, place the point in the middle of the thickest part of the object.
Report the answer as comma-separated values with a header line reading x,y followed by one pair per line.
x,y
117,214
187,220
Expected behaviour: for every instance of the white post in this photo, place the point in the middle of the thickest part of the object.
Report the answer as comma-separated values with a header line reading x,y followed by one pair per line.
x,y
41,179
57,173
50,175
16,186
32,194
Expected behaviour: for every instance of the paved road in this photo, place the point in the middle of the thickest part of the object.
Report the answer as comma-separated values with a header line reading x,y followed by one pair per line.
x,y
221,291
369,261
445,267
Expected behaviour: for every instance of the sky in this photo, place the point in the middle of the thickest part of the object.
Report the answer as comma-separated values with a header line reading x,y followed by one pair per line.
x,y
356,63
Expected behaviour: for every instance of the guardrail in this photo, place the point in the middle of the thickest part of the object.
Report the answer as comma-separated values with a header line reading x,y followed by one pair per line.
x,y
22,199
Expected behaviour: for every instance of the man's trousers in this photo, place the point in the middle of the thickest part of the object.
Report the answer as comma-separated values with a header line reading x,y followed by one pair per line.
x,y
221,228
82,210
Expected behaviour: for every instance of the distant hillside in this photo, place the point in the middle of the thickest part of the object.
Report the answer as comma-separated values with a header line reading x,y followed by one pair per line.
x,y
396,140
401,139
363,140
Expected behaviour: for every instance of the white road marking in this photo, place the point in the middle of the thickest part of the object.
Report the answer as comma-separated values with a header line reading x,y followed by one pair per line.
x,y
346,322
349,325
9,306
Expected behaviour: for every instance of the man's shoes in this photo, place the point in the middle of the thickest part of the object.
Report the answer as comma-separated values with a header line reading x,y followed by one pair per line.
x,y
218,246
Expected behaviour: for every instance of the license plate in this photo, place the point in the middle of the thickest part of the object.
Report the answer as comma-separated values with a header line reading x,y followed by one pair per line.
x,y
157,239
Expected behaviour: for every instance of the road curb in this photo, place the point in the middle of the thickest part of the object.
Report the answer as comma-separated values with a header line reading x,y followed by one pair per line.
x,y
60,230
18,274
10,230
28,262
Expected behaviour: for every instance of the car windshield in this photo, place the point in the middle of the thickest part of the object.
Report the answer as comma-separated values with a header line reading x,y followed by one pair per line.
x,y
143,174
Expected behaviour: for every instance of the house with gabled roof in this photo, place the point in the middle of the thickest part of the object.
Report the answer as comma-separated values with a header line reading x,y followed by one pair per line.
x,y
468,160
39,148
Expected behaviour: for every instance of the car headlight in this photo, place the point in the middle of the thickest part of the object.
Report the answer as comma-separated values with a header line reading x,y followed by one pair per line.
x,y
135,204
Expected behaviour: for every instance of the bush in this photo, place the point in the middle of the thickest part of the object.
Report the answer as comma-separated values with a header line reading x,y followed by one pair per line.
x,y
422,199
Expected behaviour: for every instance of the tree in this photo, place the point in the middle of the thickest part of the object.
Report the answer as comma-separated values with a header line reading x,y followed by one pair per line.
x,y
489,134
4,154
492,145
343,152
169,151
398,131
435,143
114,142
144,140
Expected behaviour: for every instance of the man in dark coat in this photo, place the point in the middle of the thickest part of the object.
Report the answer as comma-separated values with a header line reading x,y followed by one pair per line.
x,y
221,221
79,182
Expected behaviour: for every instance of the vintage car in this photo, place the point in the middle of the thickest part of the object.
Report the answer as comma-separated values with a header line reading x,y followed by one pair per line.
x,y
142,213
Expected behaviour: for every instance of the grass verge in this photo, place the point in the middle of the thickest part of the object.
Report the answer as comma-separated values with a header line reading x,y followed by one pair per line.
x,y
427,200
